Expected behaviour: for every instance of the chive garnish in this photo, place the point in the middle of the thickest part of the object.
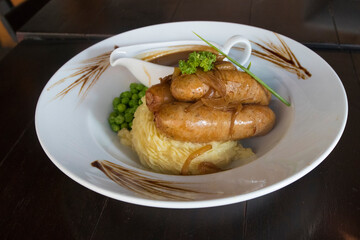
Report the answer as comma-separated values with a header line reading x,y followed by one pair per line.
x,y
248,67
247,71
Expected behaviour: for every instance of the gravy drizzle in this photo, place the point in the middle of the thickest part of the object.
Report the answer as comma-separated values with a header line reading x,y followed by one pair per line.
x,y
282,56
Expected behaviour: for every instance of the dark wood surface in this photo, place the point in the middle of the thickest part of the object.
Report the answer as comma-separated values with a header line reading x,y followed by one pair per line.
x,y
346,16
332,22
38,201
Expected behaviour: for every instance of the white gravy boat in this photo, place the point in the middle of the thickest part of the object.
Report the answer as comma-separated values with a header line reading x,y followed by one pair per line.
x,y
149,73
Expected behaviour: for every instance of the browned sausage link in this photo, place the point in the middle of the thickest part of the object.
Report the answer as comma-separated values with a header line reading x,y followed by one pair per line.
x,y
240,88
188,88
204,124
157,95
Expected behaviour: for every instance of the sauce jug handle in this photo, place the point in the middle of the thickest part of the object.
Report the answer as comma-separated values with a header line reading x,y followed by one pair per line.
x,y
242,42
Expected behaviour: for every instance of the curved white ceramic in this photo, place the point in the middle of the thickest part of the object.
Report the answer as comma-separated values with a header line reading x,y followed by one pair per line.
x,y
150,73
71,120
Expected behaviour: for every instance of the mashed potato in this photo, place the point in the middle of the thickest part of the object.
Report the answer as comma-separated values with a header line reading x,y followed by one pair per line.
x,y
165,155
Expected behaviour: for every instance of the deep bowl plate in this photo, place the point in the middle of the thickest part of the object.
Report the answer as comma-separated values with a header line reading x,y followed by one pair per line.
x,y
71,121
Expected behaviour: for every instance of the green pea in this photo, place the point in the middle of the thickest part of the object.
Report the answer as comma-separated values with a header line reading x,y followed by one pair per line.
x,y
133,91
129,117
133,85
140,87
126,94
116,101
115,109
124,125
133,103
142,93
135,96
119,119
125,100
121,107
113,114
125,107
115,127
132,110
127,110
111,119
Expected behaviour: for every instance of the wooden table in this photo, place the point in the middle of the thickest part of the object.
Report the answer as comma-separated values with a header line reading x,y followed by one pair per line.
x,y
331,23
37,201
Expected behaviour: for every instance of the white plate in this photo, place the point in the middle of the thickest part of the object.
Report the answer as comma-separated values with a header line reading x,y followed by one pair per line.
x,y
74,132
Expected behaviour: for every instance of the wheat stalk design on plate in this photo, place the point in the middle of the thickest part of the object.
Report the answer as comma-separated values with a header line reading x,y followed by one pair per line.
x,y
281,55
89,73
142,184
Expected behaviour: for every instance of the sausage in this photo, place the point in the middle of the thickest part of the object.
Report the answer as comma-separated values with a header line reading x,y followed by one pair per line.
x,y
157,95
188,88
203,124
240,87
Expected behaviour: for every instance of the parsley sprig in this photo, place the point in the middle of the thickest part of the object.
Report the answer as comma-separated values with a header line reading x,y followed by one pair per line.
x,y
204,60
247,71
